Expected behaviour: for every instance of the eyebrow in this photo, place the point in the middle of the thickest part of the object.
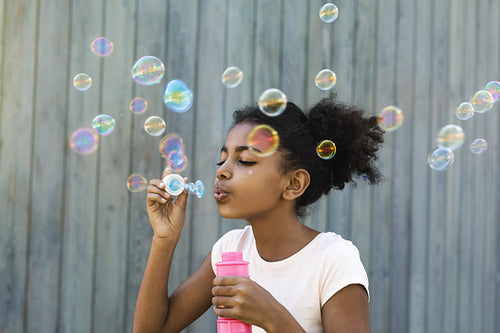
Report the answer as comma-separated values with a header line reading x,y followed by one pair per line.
x,y
237,149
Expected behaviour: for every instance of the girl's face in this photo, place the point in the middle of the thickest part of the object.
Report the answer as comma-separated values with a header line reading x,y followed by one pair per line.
x,y
247,185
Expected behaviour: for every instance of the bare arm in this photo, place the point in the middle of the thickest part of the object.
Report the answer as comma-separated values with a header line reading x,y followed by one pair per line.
x,y
347,311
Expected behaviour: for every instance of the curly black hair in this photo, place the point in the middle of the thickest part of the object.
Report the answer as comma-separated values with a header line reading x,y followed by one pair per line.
x,y
357,138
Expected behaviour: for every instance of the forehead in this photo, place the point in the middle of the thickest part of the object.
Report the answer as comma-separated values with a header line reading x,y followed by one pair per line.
x,y
238,135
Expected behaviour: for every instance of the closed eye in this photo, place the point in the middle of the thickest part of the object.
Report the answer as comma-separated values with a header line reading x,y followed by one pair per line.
x,y
220,163
247,162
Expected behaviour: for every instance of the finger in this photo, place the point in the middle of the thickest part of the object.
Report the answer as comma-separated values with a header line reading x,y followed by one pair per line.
x,y
167,171
223,291
157,183
182,198
228,280
155,197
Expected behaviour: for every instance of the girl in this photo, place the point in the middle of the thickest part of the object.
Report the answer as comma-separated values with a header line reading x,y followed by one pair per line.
x,y
301,280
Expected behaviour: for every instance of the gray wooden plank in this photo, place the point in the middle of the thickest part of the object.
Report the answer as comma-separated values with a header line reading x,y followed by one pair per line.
x,y
240,50
77,271
382,224
49,139
402,142
152,20
363,96
422,142
113,171
210,65
18,72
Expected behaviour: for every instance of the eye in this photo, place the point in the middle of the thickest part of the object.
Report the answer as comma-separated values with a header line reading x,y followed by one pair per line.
x,y
220,163
247,162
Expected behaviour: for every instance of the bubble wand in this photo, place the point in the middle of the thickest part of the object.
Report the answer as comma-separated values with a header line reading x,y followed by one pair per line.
x,y
174,185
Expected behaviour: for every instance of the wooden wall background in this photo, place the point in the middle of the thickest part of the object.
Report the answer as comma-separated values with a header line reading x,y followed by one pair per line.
x,y
74,241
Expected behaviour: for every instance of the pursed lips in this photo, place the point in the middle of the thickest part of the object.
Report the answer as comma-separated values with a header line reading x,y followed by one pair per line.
x,y
220,192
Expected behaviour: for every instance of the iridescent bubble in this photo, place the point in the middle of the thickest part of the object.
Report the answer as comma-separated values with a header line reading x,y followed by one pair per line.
x,y
84,141
169,143
328,13
493,87
482,101
272,102
464,111
325,79
178,97
148,70
478,146
155,126
263,140
451,137
232,77
326,149
103,124
136,183
441,159
177,160
390,118
82,82
101,46
138,105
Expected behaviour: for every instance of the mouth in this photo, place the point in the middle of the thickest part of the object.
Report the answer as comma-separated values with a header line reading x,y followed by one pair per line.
x,y
220,193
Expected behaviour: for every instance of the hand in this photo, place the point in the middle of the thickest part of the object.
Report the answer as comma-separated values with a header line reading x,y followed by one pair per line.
x,y
165,214
243,299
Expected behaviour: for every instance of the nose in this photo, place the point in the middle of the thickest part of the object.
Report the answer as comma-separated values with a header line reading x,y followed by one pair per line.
x,y
223,172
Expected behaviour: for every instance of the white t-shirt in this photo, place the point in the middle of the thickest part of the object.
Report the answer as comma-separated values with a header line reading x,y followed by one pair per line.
x,y
303,282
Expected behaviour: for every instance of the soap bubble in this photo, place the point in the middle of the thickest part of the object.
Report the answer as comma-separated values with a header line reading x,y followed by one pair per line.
x,y
138,105
103,124
272,102
82,82
177,96
325,79
84,141
148,70
263,140
232,77
328,13
451,137
101,46
177,160
155,126
390,118
464,111
478,146
441,159
169,143
326,149
136,183
493,87
482,101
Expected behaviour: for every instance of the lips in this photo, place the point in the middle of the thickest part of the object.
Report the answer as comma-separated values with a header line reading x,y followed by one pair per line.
x,y
220,193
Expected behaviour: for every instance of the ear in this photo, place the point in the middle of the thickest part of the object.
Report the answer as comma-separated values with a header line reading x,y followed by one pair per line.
x,y
298,182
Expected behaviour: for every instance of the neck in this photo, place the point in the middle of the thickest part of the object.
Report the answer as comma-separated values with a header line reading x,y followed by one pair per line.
x,y
280,235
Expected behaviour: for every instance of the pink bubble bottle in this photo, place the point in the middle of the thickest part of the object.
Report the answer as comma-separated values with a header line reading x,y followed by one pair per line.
x,y
232,264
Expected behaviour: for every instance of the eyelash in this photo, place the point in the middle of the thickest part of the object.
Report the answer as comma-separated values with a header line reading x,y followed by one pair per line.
x,y
242,162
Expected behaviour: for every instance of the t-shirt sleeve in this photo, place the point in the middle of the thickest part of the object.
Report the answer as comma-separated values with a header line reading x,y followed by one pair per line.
x,y
225,243
342,267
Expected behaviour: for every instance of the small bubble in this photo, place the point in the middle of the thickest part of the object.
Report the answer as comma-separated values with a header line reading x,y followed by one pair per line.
x,y
493,87
232,77
84,141
326,149
155,126
478,146
325,79
328,13
464,111
101,46
177,160
482,101
263,140
148,70
441,159
136,183
138,105
178,97
169,143
390,118
103,124
272,102
451,137
82,82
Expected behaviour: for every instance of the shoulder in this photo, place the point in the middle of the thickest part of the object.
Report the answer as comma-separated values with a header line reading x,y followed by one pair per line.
x,y
233,240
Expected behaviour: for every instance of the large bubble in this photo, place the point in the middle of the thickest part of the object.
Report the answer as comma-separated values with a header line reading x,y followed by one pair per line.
x,y
464,111
390,118
326,149
155,126
482,101
103,124
272,102
178,97
263,140
451,137
328,13
493,87
478,146
148,70
136,183
84,141
441,159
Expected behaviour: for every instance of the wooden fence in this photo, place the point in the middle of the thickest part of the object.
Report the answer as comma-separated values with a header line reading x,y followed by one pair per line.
x,y
74,241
